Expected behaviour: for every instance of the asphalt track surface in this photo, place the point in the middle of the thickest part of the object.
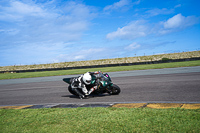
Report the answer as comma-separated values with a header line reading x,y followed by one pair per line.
x,y
170,85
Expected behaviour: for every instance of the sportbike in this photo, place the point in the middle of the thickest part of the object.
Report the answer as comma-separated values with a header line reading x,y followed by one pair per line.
x,y
104,85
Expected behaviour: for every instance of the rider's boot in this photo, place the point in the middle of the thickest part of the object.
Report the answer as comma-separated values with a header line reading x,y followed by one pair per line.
x,y
81,96
109,91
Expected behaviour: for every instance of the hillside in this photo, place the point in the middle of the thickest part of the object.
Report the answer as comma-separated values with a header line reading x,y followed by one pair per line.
x,y
181,55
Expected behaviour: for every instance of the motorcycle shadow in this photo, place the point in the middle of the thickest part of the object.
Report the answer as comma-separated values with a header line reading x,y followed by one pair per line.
x,y
88,97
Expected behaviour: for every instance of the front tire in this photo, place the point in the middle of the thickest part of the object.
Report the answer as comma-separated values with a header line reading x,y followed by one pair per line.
x,y
115,89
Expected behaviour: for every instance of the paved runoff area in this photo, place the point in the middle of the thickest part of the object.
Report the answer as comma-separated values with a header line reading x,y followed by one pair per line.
x,y
115,105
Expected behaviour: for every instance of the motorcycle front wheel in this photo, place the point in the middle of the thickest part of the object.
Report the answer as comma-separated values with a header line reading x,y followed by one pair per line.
x,y
115,89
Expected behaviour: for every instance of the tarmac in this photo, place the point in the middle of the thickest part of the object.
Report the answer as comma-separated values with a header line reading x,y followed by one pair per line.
x,y
113,105
143,103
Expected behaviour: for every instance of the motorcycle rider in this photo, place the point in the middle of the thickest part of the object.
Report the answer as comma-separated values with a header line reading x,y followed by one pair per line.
x,y
82,81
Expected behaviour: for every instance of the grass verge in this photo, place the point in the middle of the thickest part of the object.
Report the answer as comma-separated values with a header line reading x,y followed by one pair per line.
x,y
104,69
99,120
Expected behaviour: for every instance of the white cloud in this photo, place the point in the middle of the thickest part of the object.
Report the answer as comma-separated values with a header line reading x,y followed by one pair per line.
x,y
174,22
35,53
133,30
137,2
179,5
43,30
81,54
132,46
121,4
178,22
18,11
23,8
117,5
33,22
157,11
141,28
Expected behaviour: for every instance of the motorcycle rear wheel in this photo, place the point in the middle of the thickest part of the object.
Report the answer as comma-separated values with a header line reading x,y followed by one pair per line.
x,y
71,91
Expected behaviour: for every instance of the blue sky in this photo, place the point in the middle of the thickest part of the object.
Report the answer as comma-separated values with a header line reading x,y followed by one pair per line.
x,y
50,31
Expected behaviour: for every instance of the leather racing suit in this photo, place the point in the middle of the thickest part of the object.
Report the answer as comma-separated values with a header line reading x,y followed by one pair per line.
x,y
79,83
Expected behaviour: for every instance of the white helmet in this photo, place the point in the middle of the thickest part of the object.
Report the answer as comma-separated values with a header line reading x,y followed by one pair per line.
x,y
87,78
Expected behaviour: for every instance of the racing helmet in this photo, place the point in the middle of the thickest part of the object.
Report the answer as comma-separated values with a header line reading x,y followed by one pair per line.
x,y
87,78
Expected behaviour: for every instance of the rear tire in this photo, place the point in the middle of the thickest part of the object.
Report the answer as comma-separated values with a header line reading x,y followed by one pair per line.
x,y
71,91
115,89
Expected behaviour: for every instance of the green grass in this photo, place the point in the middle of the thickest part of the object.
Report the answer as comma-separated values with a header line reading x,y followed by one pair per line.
x,y
103,69
99,120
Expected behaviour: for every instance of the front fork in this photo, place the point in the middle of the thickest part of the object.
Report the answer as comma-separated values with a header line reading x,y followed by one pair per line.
x,y
109,88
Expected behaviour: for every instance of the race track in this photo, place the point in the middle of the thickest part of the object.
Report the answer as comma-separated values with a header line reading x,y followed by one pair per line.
x,y
181,85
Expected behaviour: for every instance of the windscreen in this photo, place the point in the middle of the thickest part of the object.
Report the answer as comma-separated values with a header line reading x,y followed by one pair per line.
x,y
102,77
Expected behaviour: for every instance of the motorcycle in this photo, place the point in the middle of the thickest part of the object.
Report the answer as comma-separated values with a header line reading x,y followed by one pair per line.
x,y
104,85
